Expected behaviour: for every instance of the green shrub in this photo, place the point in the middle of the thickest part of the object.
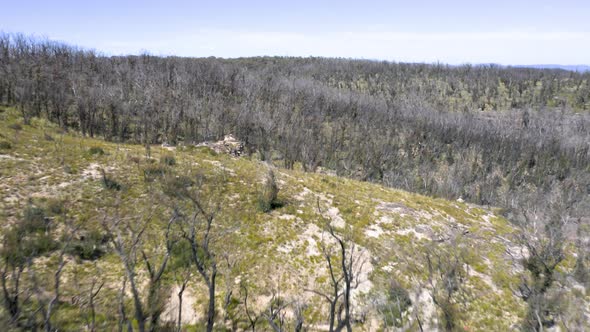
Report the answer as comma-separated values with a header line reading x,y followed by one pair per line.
x,y
68,169
398,302
151,172
581,270
5,145
109,183
11,251
28,239
55,207
34,220
39,244
168,160
95,150
176,185
15,126
18,248
90,246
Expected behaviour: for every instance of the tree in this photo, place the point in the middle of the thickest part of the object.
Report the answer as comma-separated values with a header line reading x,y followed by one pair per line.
x,y
543,250
127,238
87,300
344,275
199,230
446,278
183,273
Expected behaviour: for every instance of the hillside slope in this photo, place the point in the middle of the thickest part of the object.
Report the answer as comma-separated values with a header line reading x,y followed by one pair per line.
x,y
403,243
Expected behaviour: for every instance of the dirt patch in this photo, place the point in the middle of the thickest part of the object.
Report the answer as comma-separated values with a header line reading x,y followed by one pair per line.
x,y
307,239
408,231
92,171
334,215
9,157
395,207
221,167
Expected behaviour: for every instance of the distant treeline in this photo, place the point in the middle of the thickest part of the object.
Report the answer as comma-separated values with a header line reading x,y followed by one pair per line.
x,y
489,134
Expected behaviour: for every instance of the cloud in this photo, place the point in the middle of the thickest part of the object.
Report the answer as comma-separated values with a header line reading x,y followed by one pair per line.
x,y
471,36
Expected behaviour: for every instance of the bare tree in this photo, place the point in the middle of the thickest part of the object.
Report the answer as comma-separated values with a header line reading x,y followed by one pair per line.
x,y
299,308
198,230
275,312
544,241
129,247
182,278
252,317
446,278
122,311
93,291
12,270
344,272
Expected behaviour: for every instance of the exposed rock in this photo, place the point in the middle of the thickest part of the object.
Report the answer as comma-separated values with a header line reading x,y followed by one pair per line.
x,y
230,145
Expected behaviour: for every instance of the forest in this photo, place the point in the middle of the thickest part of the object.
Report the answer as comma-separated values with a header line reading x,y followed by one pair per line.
x,y
513,138
487,134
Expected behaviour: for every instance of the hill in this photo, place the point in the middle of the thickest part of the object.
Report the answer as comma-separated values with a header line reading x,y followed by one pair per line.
x,y
576,68
111,213
491,135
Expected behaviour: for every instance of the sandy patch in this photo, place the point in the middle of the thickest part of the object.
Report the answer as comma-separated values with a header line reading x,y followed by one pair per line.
x,y
374,231
427,309
220,166
334,215
412,231
189,314
92,171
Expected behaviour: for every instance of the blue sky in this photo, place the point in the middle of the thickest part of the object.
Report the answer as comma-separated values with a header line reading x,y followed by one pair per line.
x,y
505,32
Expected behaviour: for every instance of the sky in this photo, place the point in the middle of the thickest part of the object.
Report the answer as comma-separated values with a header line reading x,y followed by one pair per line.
x,y
517,32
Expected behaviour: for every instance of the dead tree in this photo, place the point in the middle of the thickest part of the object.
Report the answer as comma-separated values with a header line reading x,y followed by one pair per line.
x,y
544,241
275,312
344,277
155,271
122,312
127,252
196,230
446,278
252,317
11,283
183,277
299,308
129,248
93,291
228,297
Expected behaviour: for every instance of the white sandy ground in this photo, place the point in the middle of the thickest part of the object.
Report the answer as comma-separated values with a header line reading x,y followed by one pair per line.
x,y
189,314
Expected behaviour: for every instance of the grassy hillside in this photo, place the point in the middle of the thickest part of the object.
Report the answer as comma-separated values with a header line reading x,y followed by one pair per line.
x,y
276,256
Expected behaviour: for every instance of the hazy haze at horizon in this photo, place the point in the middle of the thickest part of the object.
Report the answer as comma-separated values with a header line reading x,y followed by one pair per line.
x,y
505,32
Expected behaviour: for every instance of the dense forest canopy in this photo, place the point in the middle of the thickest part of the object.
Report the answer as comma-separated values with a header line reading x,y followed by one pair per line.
x,y
488,134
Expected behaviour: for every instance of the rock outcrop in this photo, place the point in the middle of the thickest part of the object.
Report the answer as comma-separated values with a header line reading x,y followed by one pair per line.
x,y
229,145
